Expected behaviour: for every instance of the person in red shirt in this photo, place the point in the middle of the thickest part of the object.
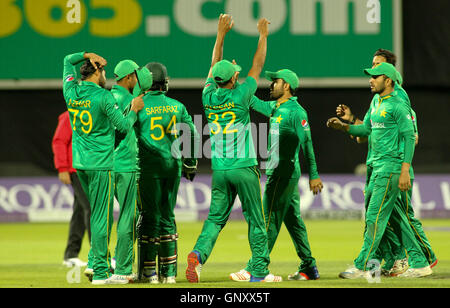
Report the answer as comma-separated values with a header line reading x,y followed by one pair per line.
x,y
80,221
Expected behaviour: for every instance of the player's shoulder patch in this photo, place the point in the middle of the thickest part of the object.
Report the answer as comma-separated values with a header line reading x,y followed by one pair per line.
x,y
209,86
69,78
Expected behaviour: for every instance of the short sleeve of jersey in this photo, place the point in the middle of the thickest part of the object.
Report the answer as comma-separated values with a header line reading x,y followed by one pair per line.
x,y
247,89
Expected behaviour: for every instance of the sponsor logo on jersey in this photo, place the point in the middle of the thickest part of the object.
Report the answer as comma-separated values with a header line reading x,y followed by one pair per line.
x,y
70,78
377,124
305,123
411,117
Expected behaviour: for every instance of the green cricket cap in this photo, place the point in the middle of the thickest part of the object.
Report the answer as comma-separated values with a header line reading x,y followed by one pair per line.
x,y
287,75
124,68
384,68
144,81
223,70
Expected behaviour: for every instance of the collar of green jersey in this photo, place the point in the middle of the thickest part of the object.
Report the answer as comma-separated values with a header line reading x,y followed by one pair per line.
x,y
89,83
292,98
393,93
120,88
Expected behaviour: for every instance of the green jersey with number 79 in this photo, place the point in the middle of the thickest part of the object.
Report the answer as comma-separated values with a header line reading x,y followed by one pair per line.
x,y
93,115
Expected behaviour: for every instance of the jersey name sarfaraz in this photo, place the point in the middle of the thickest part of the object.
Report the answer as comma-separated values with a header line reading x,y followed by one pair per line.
x,y
162,109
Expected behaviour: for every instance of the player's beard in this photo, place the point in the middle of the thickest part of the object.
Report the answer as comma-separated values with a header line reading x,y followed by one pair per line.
x,y
131,87
275,94
377,90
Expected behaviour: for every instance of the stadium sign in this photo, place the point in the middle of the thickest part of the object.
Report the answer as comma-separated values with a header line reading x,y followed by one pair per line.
x,y
46,199
327,42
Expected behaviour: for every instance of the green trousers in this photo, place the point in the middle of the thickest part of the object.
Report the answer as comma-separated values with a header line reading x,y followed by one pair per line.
x,y
125,192
405,205
226,185
99,187
158,197
282,204
380,211
391,247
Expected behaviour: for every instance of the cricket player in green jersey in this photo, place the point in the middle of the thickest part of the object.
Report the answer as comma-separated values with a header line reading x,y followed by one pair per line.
x,y
125,169
233,156
163,127
388,121
94,114
390,247
289,131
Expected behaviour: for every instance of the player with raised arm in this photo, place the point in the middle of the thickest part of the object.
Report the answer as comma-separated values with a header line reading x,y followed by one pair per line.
x,y
94,115
234,162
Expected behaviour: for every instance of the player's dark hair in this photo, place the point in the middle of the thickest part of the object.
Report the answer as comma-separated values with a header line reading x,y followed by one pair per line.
x,y
387,54
224,83
292,91
87,69
392,80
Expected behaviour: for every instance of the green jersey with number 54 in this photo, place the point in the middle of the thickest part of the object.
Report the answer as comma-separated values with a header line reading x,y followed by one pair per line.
x,y
93,115
163,127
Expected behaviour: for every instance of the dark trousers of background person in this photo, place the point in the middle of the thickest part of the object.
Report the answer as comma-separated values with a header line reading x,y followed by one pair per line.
x,y
80,221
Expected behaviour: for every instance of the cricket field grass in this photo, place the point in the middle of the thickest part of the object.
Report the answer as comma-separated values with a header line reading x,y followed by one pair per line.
x,y
31,256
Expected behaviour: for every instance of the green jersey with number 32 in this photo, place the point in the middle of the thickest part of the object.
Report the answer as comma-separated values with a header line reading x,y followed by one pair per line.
x,y
228,115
